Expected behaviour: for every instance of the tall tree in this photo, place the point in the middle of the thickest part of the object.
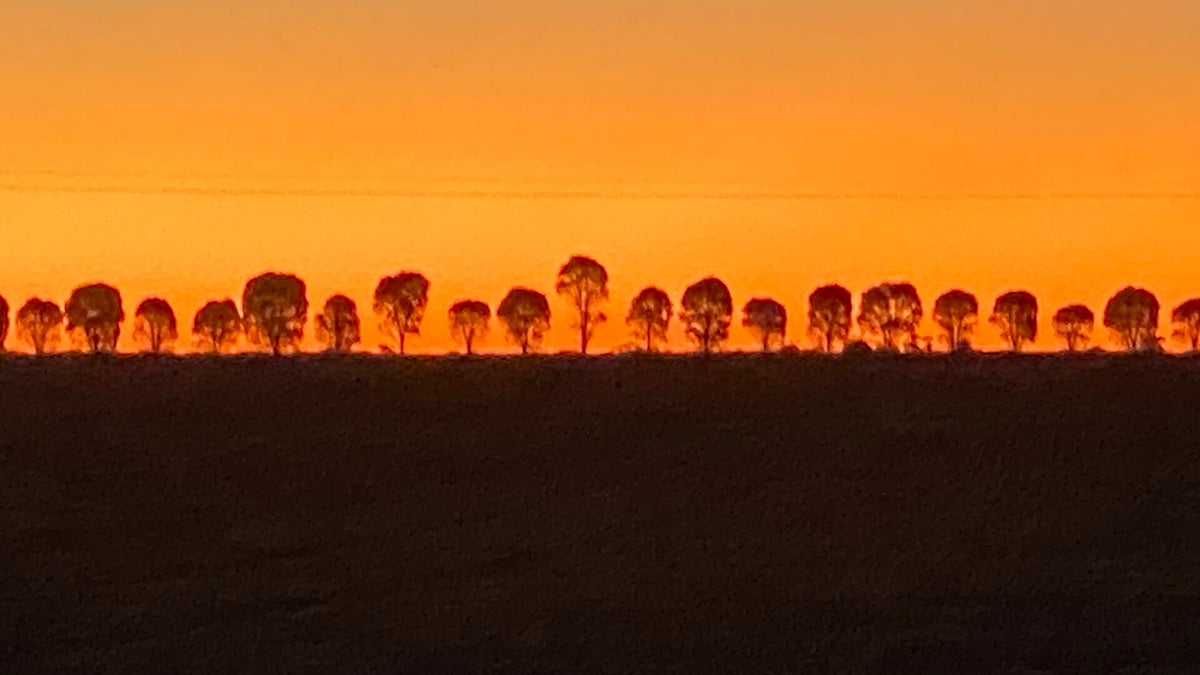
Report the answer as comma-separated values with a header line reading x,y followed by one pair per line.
x,y
1015,315
584,283
39,324
891,313
1132,316
766,319
1186,321
707,310
338,324
1074,324
956,313
217,326
469,321
94,315
650,316
154,325
829,314
3,322
400,302
274,311
525,314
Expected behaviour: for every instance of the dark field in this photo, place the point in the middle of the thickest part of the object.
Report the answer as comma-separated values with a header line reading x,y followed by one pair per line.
x,y
737,514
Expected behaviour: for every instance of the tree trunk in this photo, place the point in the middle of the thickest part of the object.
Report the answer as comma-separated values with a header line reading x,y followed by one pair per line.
x,y
585,314
649,337
766,342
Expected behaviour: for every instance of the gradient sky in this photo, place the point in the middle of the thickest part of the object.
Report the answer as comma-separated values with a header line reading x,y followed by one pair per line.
x,y
179,148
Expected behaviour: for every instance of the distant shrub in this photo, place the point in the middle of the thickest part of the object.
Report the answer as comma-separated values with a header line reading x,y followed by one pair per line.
x,y
857,347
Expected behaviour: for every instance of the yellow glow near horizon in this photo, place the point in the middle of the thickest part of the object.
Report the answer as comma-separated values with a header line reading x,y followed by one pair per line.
x,y
178,149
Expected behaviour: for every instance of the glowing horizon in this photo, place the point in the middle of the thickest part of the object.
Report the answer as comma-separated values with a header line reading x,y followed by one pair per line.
x,y
178,149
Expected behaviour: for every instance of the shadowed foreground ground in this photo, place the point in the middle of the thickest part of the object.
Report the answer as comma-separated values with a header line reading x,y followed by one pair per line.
x,y
612,515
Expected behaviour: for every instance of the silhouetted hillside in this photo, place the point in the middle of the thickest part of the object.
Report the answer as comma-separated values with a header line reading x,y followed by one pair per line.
x,y
625,514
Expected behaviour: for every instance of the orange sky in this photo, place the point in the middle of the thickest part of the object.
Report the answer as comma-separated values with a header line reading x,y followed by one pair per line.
x,y
369,119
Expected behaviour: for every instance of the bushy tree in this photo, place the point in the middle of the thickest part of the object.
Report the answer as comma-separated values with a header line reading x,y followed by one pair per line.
x,y
525,314
338,324
829,315
39,324
1015,315
1132,317
584,284
217,326
469,320
400,302
891,313
154,325
766,319
274,311
1074,324
1186,321
94,315
956,313
650,316
707,311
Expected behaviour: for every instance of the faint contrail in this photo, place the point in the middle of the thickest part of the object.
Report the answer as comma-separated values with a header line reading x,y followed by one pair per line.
x,y
631,195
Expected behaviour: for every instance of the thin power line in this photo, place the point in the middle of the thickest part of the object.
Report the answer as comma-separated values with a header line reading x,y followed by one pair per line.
x,y
595,194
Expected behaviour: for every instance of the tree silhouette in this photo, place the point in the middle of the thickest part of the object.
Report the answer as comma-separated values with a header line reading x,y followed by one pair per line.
x,y
1132,317
956,313
469,321
1015,315
400,302
94,315
154,324
525,314
274,311
650,316
39,324
829,314
584,283
338,325
217,326
1074,324
766,319
891,312
707,310
1186,320
3,322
